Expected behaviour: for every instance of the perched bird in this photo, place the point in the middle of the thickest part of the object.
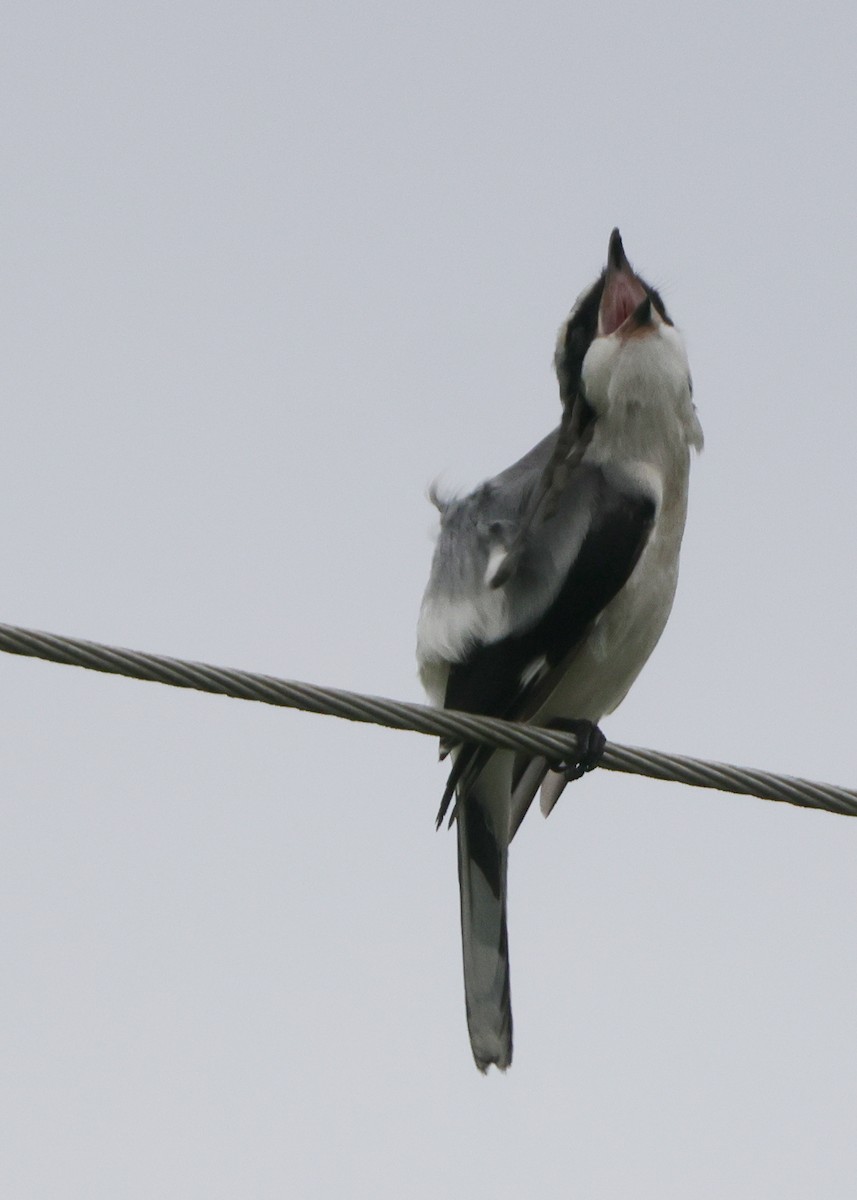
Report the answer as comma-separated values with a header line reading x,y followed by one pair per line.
x,y
550,586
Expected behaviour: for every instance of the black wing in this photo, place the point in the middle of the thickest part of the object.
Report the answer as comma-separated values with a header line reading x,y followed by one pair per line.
x,y
506,678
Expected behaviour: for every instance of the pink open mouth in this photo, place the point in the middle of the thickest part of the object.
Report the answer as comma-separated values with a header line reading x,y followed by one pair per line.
x,y
623,293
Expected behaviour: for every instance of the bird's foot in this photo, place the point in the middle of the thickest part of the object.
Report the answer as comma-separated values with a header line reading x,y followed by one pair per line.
x,y
590,746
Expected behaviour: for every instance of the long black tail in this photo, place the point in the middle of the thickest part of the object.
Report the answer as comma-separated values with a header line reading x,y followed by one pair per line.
x,y
482,858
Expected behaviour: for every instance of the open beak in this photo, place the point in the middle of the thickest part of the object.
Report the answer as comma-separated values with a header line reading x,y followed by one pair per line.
x,y
623,293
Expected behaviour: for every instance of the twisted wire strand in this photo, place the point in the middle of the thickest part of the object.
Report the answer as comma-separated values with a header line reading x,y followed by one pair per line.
x,y
555,746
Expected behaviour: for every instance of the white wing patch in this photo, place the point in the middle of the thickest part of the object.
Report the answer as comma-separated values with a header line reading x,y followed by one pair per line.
x,y
534,671
496,558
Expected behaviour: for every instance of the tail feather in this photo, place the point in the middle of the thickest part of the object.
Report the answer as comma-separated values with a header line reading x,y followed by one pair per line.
x,y
526,781
534,774
552,788
482,858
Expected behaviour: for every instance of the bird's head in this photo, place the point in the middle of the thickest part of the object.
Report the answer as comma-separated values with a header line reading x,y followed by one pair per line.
x,y
618,302
635,359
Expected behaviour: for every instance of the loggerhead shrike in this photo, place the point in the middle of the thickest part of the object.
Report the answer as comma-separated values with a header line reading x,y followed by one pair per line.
x,y
550,586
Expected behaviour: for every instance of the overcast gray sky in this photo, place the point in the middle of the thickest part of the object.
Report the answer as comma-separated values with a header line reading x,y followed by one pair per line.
x,y
268,269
